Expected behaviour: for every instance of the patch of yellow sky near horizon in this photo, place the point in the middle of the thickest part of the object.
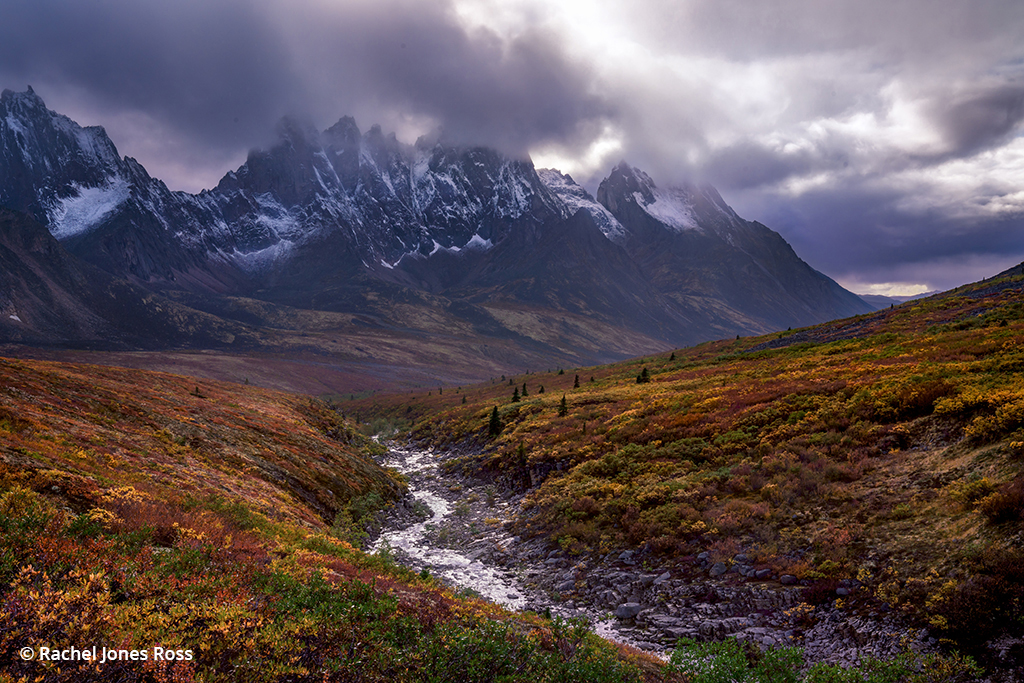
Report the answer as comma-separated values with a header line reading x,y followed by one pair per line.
x,y
887,288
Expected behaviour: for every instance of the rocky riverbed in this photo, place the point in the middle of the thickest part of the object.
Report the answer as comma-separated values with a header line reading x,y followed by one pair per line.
x,y
457,529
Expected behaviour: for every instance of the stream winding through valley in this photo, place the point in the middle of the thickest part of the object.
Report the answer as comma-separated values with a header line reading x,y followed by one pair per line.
x,y
455,528
465,544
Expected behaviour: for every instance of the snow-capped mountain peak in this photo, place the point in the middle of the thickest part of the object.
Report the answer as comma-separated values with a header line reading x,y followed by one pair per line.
x,y
319,214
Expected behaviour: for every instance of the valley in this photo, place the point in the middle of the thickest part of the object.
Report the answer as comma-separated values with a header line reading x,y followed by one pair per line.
x,y
874,461
851,489
378,411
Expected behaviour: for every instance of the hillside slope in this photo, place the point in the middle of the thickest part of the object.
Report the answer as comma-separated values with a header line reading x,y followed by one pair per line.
x,y
884,451
208,526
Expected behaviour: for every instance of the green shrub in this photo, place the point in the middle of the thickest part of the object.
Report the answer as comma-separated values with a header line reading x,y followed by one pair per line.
x,y
731,661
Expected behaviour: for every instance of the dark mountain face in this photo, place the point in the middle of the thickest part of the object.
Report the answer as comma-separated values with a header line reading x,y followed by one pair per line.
x,y
347,221
694,247
49,297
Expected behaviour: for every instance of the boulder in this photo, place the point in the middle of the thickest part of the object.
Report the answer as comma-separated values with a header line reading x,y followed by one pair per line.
x,y
628,610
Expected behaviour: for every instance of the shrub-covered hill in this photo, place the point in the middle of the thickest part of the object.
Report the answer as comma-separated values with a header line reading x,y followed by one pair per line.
x,y
142,510
79,430
886,448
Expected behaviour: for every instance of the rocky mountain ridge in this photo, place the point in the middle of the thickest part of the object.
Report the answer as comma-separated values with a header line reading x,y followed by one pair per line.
x,y
342,220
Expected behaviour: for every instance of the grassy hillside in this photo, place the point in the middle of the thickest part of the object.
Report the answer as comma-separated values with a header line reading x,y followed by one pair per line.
x,y
886,448
142,510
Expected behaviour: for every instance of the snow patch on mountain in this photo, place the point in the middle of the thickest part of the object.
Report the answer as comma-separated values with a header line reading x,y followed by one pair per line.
x,y
87,208
477,243
275,218
262,259
15,126
574,197
673,207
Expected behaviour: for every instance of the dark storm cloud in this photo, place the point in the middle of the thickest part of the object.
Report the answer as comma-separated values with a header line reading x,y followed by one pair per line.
x,y
864,232
981,119
219,74
748,164
510,93
214,71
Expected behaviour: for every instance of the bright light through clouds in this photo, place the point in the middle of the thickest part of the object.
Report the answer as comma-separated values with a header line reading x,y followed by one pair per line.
x,y
603,152
882,140
887,288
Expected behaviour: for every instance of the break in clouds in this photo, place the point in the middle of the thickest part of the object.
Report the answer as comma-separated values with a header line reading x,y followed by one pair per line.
x,y
883,140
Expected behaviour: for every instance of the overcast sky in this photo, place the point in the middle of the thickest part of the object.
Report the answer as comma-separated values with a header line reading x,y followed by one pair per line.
x,y
882,138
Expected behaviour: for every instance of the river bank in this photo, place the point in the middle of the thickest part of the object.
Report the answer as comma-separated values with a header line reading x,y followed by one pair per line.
x,y
458,529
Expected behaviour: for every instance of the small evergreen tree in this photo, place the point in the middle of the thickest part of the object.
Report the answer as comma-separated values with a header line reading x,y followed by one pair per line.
x,y
510,382
525,393
673,356
563,407
494,427
541,390
515,395
463,399
644,377
561,371
576,382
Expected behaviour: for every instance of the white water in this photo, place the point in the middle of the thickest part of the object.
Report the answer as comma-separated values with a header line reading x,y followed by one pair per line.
x,y
456,566
496,585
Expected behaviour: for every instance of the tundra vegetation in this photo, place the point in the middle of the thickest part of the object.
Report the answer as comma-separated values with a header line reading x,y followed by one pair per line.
x,y
886,448
142,509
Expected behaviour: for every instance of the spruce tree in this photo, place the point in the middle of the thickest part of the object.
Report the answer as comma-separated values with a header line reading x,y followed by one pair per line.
x,y
463,399
525,393
673,356
494,428
576,382
644,377
515,395
563,407
541,390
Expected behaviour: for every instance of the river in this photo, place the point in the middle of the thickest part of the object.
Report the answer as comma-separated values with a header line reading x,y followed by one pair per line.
x,y
465,535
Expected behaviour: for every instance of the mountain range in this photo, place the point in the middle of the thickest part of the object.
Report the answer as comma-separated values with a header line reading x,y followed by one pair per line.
x,y
342,233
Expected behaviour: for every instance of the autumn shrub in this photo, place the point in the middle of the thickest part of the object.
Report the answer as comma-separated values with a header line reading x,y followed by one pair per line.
x,y
821,592
26,508
967,492
979,603
1006,503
